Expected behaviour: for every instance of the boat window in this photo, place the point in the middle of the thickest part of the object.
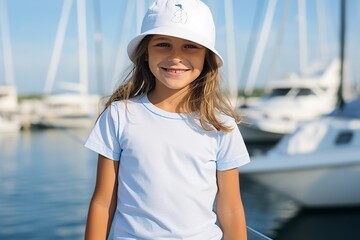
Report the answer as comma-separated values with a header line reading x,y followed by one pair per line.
x,y
344,137
279,92
304,92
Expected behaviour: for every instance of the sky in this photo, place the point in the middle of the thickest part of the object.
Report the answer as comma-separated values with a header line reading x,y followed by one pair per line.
x,y
249,50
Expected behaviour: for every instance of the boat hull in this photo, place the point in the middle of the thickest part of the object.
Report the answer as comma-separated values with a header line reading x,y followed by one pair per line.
x,y
255,135
9,125
326,181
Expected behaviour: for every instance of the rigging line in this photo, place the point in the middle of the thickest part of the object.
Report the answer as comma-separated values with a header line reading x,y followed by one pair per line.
x,y
264,34
252,40
278,42
231,50
259,235
114,48
126,29
67,132
59,40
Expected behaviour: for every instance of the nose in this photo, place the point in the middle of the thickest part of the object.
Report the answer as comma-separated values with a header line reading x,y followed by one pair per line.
x,y
175,56
175,60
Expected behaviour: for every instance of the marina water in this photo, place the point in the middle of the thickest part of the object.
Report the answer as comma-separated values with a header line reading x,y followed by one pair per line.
x,y
47,178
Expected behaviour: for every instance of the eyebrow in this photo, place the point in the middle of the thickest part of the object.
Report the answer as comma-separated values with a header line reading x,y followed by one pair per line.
x,y
161,39
164,38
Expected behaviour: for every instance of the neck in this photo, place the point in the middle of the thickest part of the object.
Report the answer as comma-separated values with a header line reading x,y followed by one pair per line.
x,y
169,102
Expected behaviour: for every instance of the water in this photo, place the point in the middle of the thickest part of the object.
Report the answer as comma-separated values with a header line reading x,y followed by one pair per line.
x,y
47,177
46,180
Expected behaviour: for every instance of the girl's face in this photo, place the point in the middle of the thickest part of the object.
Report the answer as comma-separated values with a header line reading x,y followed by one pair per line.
x,y
175,62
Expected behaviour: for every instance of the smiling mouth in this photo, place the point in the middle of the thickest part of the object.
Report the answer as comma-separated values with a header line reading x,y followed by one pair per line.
x,y
176,71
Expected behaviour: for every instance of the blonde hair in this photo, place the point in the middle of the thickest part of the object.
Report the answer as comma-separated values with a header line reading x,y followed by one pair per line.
x,y
205,97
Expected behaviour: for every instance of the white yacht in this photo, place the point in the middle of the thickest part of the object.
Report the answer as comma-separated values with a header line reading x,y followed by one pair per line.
x,y
70,110
9,117
291,101
319,164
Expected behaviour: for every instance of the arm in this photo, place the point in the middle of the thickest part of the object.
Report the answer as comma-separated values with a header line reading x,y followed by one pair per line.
x,y
103,202
229,207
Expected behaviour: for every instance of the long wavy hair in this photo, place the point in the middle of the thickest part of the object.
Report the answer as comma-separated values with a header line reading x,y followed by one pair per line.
x,y
205,97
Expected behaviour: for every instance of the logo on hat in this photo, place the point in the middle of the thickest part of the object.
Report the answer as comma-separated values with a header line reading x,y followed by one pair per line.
x,y
180,15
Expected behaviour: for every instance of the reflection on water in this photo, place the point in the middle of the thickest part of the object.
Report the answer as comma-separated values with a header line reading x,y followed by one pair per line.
x,y
330,224
46,180
47,177
265,210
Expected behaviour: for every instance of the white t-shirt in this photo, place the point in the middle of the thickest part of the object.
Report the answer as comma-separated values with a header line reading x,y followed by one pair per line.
x,y
167,169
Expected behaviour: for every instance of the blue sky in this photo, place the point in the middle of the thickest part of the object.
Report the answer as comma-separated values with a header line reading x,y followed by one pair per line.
x,y
33,25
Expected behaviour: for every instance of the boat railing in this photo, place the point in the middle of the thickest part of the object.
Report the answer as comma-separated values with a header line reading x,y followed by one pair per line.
x,y
252,234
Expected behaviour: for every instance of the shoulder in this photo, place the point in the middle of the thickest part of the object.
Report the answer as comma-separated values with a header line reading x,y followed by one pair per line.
x,y
123,104
227,120
126,111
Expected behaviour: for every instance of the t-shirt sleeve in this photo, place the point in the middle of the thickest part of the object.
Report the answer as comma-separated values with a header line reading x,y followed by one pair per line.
x,y
104,137
232,150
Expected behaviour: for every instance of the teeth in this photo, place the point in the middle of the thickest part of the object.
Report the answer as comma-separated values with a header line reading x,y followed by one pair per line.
x,y
176,70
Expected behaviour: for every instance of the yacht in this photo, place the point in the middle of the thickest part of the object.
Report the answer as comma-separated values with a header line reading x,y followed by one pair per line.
x,y
69,111
290,102
318,165
9,117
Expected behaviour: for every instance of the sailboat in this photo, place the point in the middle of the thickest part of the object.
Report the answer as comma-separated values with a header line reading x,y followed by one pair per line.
x,y
290,102
75,108
319,164
9,107
294,99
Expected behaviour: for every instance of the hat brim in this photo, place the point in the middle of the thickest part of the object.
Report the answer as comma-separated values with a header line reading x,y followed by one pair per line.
x,y
191,36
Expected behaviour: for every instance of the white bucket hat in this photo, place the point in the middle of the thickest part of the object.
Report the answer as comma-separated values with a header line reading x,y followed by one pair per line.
x,y
187,19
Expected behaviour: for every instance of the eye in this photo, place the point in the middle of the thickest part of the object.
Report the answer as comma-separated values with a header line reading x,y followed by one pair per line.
x,y
162,44
191,46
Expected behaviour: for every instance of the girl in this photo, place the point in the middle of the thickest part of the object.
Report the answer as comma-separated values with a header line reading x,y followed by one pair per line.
x,y
168,141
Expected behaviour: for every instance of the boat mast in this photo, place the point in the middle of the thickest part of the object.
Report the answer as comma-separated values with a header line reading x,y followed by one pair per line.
x,y
8,61
83,57
81,87
231,52
341,101
251,41
265,31
125,29
322,28
98,47
59,41
302,36
278,44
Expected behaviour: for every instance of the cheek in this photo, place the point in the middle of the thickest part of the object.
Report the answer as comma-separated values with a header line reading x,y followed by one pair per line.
x,y
153,66
153,59
199,65
200,62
